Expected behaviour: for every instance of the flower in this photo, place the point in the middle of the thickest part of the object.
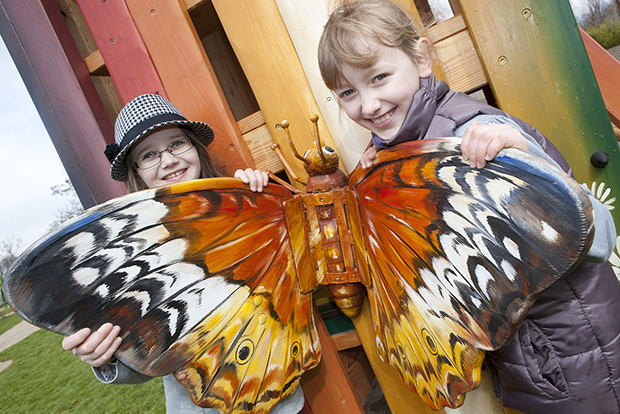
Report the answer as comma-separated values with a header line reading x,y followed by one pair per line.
x,y
601,193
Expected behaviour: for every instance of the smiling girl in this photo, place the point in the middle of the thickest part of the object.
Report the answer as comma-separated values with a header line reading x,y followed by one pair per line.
x,y
565,358
156,145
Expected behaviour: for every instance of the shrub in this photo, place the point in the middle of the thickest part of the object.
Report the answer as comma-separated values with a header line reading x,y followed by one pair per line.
x,y
606,34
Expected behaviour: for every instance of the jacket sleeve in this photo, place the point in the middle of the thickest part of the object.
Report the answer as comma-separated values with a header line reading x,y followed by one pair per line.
x,y
605,230
118,373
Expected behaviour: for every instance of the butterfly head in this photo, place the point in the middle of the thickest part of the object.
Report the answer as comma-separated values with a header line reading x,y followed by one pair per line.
x,y
321,160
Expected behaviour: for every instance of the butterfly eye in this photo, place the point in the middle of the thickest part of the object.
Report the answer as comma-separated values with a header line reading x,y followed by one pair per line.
x,y
400,350
329,150
245,351
307,153
295,349
430,342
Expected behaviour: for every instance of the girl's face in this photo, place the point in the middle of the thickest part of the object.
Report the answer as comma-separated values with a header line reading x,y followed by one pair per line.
x,y
172,168
379,97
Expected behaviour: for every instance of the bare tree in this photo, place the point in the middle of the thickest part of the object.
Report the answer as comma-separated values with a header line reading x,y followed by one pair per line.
x,y
597,12
71,209
10,250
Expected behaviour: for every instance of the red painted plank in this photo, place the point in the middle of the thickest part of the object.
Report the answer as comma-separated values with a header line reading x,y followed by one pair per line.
x,y
607,71
51,79
79,68
185,71
122,48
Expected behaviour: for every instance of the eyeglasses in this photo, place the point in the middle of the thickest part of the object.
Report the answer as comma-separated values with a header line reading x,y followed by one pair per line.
x,y
153,158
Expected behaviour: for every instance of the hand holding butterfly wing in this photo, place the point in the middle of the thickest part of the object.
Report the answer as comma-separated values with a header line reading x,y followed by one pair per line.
x,y
458,255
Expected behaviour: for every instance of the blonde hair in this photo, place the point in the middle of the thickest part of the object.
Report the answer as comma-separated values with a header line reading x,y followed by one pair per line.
x,y
369,20
207,167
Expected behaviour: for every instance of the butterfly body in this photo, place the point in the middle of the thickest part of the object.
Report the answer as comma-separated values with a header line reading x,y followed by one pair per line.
x,y
214,282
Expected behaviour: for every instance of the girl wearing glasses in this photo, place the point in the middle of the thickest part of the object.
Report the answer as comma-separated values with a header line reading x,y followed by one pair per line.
x,y
156,145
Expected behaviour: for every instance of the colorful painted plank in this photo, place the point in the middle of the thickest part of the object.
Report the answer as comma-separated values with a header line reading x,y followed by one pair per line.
x,y
607,71
187,76
538,68
121,48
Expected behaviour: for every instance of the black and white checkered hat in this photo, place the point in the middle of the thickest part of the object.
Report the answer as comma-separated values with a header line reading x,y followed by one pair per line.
x,y
139,117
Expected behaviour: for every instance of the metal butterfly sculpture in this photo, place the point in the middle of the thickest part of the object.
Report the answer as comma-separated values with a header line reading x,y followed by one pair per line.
x,y
214,282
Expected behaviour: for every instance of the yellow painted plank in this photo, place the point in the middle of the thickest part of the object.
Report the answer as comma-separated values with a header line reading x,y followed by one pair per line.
x,y
264,50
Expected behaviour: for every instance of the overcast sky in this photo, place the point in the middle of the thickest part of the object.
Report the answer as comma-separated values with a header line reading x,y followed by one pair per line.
x,y
28,161
29,165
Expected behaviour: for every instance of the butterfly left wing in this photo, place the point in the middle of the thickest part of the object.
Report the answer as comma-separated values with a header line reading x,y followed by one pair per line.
x,y
201,280
458,255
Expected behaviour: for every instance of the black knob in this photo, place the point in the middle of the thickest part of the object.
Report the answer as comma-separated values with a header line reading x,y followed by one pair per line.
x,y
599,159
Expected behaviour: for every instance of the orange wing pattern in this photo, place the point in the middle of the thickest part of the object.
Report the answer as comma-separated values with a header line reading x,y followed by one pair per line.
x,y
458,255
214,282
200,278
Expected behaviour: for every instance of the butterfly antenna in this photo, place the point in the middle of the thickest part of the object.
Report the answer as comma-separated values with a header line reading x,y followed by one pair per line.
x,y
317,138
288,168
284,124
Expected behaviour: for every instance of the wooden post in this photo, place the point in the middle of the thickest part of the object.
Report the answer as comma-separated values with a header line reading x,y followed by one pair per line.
x,y
327,387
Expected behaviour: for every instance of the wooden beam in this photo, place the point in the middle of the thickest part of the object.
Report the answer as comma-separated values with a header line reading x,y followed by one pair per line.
x,y
58,82
189,80
95,64
121,48
459,63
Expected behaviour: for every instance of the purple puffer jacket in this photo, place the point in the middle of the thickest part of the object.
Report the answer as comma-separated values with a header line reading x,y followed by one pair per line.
x,y
565,358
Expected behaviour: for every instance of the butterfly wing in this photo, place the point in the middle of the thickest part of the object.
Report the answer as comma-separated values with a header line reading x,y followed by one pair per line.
x,y
458,255
199,276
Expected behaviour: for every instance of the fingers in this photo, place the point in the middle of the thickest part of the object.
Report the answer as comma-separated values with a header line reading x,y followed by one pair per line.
x,y
368,158
256,179
95,349
72,341
482,143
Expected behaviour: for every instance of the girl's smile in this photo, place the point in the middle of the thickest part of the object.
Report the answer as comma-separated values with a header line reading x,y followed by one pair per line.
x,y
172,168
378,97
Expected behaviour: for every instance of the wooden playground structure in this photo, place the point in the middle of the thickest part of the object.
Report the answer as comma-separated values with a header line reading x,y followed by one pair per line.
x,y
243,66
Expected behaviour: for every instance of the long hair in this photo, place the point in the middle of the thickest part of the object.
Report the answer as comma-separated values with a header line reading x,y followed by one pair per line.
x,y
208,169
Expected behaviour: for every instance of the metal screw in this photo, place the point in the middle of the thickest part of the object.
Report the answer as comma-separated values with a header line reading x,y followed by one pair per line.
x,y
503,60
527,13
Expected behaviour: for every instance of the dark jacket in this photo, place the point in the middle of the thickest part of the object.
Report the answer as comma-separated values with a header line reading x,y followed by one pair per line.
x,y
565,357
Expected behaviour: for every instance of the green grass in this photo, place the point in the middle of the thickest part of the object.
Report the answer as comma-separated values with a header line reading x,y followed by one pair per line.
x,y
43,378
7,322
4,310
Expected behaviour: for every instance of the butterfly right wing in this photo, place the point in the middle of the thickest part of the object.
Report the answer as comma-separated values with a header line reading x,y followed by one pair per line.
x,y
458,255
